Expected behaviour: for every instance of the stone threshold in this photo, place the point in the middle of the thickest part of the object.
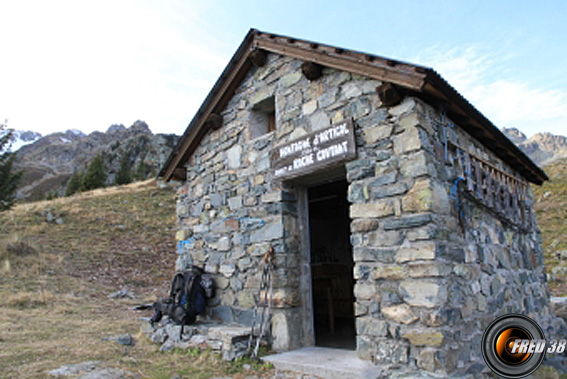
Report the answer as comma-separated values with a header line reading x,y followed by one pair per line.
x,y
325,363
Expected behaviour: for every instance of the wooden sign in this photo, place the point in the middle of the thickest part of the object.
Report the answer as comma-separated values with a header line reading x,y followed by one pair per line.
x,y
315,151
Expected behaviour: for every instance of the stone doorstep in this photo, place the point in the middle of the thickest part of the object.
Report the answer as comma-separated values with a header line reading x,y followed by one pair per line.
x,y
325,363
228,339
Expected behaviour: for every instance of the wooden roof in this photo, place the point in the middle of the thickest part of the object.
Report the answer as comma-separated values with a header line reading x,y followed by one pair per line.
x,y
421,81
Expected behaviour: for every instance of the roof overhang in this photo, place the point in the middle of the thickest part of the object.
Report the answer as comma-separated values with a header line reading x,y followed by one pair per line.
x,y
421,81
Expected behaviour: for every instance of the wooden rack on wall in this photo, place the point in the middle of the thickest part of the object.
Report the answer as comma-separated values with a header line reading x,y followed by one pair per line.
x,y
505,194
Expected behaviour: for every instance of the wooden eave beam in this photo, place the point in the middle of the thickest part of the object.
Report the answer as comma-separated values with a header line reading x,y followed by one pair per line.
x,y
405,78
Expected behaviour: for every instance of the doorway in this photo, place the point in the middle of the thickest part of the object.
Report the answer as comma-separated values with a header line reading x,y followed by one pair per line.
x,y
331,266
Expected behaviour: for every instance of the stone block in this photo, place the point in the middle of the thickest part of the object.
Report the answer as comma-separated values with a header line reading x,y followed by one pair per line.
x,y
250,223
364,348
416,251
227,270
372,210
428,269
358,108
244,317
408,141
233,156
427,196
391,352
221,282
378,190
388,272
363,225
224,244
369,254
376,133
245,299
268,232
423,292
290,79
309,107
359,169
319,120
415,165
366,291
261,94
405,106
428,360
258,250
411,121
424,338
222,314
352,90
369,326
407,222
400,313
272,197
235,203
386,238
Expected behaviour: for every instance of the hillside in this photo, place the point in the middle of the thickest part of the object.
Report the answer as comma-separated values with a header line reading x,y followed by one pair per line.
x,y
59,261
551,207
50,161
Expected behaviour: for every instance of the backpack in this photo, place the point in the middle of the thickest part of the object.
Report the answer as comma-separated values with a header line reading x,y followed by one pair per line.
x,y
188,293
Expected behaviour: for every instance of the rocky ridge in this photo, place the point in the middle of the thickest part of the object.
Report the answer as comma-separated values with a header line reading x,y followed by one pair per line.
x,y
542,148
50,161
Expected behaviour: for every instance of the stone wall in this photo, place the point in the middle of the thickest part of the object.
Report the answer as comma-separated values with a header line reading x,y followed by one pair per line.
x,y
428,281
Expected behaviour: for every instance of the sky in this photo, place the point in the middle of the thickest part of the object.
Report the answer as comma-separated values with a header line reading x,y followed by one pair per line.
x,y
89,64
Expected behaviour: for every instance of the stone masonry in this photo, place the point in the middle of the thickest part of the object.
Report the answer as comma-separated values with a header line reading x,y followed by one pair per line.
x,y
433,265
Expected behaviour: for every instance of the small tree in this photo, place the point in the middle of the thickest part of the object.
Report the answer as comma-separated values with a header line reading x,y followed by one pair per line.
x,y
95,177
74,184
124,174
8,180
142,170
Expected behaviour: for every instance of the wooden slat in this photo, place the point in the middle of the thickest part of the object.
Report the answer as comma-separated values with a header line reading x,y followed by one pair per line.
x,y
468,172
490,187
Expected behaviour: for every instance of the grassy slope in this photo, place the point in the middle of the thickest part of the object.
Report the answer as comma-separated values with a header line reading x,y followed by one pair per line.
x,y
551,208
54,308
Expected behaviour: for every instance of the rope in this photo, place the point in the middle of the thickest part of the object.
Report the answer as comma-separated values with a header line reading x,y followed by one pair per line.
x,y
266,288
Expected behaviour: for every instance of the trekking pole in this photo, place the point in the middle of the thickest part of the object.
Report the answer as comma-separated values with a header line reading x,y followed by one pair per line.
x,y
268,299
265,278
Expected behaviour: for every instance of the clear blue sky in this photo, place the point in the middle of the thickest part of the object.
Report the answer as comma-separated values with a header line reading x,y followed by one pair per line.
x,y
87,65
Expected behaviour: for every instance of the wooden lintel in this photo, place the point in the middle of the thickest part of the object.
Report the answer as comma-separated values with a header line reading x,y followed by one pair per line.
x,y
214,121
258,57
390,94
312,70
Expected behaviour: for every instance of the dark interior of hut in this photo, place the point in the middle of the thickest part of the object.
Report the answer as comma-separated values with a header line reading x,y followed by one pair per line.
x,y
331,266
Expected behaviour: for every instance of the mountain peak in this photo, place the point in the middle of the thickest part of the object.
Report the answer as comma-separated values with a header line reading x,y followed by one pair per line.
x,y
140,127
115,128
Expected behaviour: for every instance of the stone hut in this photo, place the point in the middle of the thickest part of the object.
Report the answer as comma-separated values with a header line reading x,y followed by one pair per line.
x,y
400,217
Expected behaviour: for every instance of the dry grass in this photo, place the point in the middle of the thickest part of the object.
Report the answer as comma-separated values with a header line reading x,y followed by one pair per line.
x,y
55,279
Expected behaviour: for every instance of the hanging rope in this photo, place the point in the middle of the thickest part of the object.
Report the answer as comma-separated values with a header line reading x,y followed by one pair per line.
x,y
263,302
